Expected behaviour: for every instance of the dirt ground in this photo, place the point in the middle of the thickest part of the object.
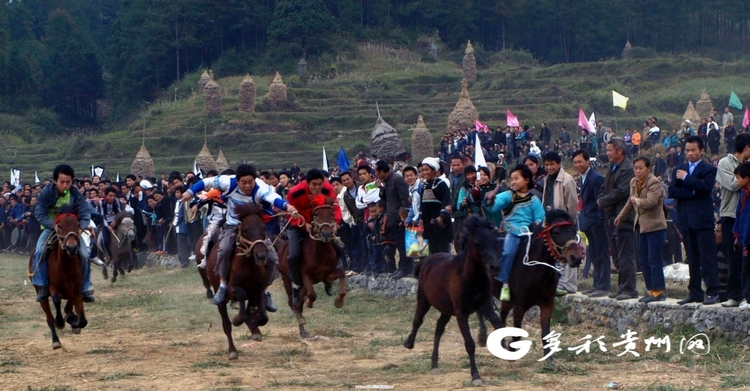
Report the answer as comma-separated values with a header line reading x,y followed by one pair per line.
x,y
154,330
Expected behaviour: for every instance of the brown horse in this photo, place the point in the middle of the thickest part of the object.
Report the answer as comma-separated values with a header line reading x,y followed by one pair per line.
x,y
247,275
459,285
199,259
319,263
65,276
533,278
119,247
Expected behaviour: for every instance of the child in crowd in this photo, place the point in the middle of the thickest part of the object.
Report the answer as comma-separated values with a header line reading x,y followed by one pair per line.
x,y
374,229
741,228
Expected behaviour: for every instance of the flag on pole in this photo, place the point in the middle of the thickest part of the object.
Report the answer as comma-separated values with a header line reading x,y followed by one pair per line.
x,y
36,177
480,127
511,119
734,101
592,123
92,170
118,178
618,100
325,160
582,121
342,160
746,119
98,171
478,156
196,170
15,177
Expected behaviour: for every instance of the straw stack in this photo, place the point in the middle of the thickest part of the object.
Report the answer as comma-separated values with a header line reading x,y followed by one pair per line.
x,y
421,142
385,141
704,107
143,164
470,64
277,91
221,162
205,77
627,52
204,159
247,95
464,114
212,99
692,114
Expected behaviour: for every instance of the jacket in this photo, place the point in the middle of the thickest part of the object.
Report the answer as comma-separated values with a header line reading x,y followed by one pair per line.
x,y
649,205
616,190
396,198
299,197
693,196
351,205
729,187
564,193
591,215
47,199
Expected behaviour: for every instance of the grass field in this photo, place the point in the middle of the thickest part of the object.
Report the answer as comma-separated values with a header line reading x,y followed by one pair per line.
x,y
153,330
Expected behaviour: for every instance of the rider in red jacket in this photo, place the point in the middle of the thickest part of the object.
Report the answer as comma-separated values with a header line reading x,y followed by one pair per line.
x,y
315,185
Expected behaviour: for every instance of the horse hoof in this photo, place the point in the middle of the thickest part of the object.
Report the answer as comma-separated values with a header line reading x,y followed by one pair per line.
x,y
256,337
76,330
409,345
59,326
233,355
477,382
435,371
56,345
238,320
304,334
338,303
209,295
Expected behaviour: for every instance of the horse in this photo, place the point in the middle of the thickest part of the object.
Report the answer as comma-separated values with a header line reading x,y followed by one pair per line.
x,y
459,285
247,275
319,263
119,247
199,259
534,277
65,276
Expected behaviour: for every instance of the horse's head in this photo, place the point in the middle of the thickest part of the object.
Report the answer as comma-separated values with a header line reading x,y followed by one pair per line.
x,y
67,230
251,238
126,225
561,237
322,218
479,238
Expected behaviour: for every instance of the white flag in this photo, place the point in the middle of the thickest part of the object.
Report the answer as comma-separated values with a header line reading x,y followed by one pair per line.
x,y
592,122
196,170
92,171
36,177
325,160
118,178
15,177
478,156
99,171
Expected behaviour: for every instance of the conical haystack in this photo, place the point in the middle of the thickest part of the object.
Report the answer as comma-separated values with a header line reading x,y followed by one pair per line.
x,y
143,164
277,90
247,95
221,162
704,107
691,114
626,51
470,64
464,114
203,81
204,159
421,142
385,141
212,99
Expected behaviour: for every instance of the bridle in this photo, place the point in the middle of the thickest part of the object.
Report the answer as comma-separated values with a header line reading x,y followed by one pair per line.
x,y
119,229
245,246
64,238
318,226
555,249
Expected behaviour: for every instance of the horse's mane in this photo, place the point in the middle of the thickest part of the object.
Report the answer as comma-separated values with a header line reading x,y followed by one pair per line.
x,y
67,209
244,210
471,225
556,215
121,215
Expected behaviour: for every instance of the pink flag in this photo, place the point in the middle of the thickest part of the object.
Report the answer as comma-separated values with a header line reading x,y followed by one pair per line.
x,y
512,120
746,119
480,127
583,121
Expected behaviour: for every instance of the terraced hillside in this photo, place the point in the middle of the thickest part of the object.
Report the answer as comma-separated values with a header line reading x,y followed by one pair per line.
x,y
340,110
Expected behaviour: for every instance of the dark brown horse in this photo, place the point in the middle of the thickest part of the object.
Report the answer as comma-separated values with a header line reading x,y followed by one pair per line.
x,y
247,275
119,248
459,286
65,276
199,259
319,263
533,279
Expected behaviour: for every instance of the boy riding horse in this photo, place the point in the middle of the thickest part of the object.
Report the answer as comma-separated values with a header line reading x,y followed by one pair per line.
x,y
300,197
52,197
243,188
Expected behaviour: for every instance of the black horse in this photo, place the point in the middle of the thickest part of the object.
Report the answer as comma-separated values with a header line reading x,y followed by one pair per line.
x,y
459,286
533,279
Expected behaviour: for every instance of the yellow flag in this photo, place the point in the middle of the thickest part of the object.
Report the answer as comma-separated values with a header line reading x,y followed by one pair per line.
x,y
619,100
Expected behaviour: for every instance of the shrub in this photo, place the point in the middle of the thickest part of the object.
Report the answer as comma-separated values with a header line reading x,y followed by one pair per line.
x,y
45,120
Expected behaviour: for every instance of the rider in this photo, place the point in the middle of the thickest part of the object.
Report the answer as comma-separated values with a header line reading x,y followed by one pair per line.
x,y
300,197
243,188
215,212
52,197
108,207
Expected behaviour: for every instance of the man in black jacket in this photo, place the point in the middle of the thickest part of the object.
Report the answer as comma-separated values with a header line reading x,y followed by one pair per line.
x,y
396,198
356,244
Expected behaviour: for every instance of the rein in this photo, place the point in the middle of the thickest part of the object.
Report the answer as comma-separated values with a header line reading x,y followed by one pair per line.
x,y
555,250
246,246
317,227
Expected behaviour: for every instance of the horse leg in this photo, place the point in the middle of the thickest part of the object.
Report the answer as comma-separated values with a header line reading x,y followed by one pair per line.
x,y
439,330
518,314
129,258
51,324
114,270
241,316
254,330
309,291
422,307
77,322
296,309
482,336
545,316
59,321
339,302
70,317
463,325
227,326
492,315
118,264
104,272
206,283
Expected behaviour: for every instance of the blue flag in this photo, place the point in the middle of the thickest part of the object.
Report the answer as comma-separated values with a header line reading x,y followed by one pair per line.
x,y
342,160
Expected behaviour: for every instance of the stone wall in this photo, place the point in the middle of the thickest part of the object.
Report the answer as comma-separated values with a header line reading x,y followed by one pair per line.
x,y
383,286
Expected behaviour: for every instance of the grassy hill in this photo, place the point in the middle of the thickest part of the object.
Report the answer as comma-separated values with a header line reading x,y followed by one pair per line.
x,y
339,110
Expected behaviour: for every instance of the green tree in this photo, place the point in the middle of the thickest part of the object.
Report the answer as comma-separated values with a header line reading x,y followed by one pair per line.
x,y
306,23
